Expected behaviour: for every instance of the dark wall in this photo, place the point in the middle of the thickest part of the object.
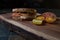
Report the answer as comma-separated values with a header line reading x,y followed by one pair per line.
x,y
30,3
51,4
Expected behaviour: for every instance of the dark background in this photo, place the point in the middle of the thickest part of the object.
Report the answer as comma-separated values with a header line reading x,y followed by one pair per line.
x,y
40,5
30,3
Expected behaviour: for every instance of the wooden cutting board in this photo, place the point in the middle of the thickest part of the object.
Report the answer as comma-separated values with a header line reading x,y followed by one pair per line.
x,y
50,29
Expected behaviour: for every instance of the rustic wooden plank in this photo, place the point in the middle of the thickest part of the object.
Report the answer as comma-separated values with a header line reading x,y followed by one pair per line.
x,y
52,30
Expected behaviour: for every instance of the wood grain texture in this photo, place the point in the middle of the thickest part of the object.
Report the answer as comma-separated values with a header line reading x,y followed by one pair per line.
x,y
49,29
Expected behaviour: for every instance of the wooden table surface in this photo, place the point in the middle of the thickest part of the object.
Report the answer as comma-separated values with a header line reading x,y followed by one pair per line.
x,y
48,31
